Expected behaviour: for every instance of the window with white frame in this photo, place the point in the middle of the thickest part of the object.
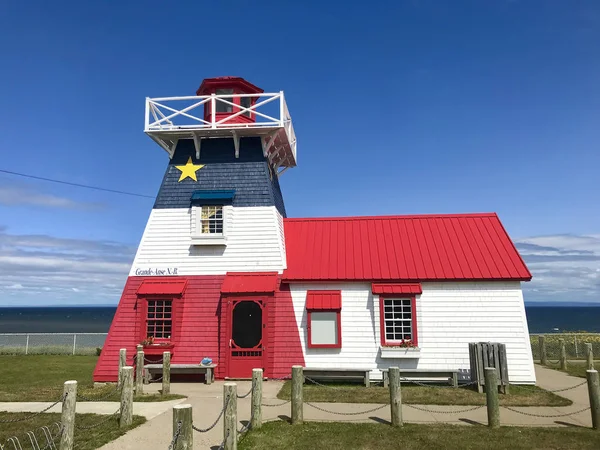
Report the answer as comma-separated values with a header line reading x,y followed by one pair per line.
x,y
398,320
211,220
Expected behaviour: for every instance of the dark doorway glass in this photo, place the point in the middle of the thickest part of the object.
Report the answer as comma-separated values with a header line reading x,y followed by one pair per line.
x,y
247,324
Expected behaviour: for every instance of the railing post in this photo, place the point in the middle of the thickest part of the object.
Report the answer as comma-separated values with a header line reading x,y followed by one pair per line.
x,y
542,340
491,396
27,344
213,111
593,383
67,419
139,371
147,116
230,416
563,355
166,374
395,396
74,342
122,363
297,400
589,353
281,109
126,396
256,411
183,414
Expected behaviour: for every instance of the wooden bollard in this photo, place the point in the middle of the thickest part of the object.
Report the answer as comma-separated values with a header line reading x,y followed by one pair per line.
x,y
230,416
183,414
139,371
256,411
491,396
166,376
563,355
297,397
395,397
589,353
542,340
122,363
126,397
67,419
593,382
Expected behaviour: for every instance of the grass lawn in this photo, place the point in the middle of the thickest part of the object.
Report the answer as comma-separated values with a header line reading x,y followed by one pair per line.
x,y
576,369
342,436
354,393
83,439
41,378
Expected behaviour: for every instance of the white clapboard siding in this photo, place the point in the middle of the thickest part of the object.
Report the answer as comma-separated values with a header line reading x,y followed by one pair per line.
x,y
254,242
449,316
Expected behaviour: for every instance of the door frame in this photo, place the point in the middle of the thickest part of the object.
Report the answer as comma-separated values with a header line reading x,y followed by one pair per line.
x,y
229,301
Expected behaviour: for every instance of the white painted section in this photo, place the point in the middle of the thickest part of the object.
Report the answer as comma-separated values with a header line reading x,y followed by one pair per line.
x,y
253,243
449,316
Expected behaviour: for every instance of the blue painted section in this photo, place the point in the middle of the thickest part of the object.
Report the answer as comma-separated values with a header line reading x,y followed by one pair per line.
x,y
249,175
221,196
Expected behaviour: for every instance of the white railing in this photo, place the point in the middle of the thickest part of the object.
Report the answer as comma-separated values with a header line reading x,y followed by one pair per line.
x,y
51,343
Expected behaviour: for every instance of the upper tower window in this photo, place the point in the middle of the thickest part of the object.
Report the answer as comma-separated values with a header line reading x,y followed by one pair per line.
x,y
244,95
211,219
209,216
222,107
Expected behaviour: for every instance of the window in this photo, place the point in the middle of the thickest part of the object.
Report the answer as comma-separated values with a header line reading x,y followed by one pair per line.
x,y
222,107
324,319
398,322
159,319
211,220
245,102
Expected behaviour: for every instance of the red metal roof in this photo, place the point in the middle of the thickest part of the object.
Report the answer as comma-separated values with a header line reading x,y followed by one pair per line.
x,y
402,248
249,283
162,287
324,300
396,288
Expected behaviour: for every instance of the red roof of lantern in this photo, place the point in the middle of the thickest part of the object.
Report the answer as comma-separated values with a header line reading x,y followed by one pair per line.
x,y
402,248
209,85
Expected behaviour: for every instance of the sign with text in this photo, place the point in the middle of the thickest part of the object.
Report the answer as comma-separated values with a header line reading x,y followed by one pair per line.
x,y
156,271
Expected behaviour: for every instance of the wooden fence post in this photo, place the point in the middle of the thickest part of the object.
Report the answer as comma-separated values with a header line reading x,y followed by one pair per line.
x,y
67,419
395,396
589,353
593,382
139,371
122,363
297,400
166,376
491,395
183,414
543,359
230,416
256,411
563,355
126,397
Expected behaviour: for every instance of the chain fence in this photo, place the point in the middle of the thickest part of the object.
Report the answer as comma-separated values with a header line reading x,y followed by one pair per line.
x,y
99,423
206,430
546,416
51,343
574,345
35,414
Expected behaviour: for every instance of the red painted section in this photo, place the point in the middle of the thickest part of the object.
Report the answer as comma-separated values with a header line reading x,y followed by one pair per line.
x,y
285,348
415,334
249,283
162,287
396,288
329,300
401,248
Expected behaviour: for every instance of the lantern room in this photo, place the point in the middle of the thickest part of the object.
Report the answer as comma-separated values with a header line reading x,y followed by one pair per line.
x,y
227,109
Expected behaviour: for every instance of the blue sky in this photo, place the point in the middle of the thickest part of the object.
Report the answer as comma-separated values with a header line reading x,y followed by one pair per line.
x,y
400,107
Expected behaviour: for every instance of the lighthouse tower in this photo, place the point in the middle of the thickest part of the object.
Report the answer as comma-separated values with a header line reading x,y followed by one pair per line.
x,y
205,278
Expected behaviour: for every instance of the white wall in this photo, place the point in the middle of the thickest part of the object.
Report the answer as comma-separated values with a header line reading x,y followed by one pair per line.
x,y
449,316
254,236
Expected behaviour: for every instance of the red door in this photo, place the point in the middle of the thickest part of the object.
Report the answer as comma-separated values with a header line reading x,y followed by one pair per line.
x,y
247,323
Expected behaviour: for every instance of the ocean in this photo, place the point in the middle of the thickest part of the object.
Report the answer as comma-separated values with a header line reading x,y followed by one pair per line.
x,y
541,319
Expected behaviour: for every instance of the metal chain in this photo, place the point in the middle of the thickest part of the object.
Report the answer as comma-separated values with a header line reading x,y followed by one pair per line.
x,y
323,385
347,413
156,380
246,394
445,412
547,416
31,416
286,377
275,406
175,436
249,424
418,383
97,399
96,425
569,388
222,446
204,430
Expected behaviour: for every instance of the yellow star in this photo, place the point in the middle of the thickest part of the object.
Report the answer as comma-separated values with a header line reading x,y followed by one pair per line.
x,y
189,170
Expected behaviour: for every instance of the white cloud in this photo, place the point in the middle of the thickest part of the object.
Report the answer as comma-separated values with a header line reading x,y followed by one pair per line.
x,y
29,195
40,269
565,267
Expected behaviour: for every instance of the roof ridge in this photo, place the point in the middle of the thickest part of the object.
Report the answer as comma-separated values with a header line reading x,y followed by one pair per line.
x,y
408,216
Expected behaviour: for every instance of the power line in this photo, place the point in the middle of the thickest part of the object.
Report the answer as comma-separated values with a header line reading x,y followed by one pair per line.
x,y
114,191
